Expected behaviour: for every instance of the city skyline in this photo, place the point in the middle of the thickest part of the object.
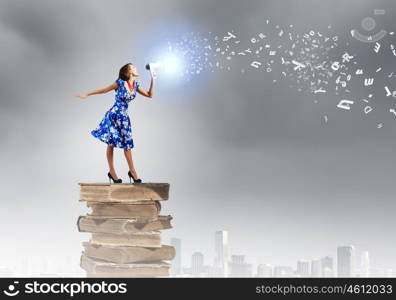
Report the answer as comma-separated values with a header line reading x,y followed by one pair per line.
x,y
344,264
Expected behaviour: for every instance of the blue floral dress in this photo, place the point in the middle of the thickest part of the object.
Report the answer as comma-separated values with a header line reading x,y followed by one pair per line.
x,y
115,128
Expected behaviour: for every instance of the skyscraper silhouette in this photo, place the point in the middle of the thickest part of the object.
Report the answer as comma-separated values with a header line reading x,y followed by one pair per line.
x,y
346,265
238,267
364,264
176,268
221,252
327,266
315,268
303,268
197,264
264,270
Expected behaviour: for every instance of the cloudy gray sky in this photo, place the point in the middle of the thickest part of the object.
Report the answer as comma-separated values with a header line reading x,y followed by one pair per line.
x,y
241,153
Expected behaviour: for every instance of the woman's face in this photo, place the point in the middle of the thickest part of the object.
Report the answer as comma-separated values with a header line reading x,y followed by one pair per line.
x,y
132,71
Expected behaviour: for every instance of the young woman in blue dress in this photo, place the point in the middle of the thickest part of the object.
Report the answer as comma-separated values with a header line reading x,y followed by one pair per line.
x,y
115,128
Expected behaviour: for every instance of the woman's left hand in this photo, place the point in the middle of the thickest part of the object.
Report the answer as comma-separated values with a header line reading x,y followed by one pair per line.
x,y
82,96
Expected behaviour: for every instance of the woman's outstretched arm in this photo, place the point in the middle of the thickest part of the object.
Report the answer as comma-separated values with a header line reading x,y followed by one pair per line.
x,y
112,86
148,93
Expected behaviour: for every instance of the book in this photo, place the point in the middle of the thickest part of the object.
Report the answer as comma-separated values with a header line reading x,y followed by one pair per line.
x,y
101,192
125,210
127,254
119,226
143,239
100,268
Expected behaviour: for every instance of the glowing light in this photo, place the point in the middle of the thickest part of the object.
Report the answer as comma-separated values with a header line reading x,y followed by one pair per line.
x,y
169,64
172,64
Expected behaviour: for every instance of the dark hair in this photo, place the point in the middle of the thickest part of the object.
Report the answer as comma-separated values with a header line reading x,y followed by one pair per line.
x,y
124,75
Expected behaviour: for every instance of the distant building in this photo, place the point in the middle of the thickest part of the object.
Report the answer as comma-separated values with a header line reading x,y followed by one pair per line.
x,y
213,271
364,264
390,273
379,272
283,271
327,266
238,268
315,268
221,253
6,272
303,268
176,266
197,264
216,270
186,272
264,270
346,265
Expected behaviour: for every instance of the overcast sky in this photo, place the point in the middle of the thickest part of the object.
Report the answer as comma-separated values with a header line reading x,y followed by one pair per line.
x,y
240,153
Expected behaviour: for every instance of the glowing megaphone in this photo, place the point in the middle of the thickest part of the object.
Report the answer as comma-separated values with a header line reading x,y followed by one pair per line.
x,y
154,65
170,64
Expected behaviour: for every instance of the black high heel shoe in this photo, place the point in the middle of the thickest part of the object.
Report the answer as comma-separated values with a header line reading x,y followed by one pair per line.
x,y
119,180
134,180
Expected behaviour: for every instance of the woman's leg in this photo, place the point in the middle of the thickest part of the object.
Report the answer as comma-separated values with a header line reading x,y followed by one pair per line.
x,y
110,161
128,156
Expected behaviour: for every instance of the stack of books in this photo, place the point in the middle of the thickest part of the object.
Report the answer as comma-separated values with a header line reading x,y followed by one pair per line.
x,y
125,230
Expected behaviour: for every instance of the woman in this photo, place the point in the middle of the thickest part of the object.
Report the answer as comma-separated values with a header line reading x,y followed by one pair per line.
x,y
115,128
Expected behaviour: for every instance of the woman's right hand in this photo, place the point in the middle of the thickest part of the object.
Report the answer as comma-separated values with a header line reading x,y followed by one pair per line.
x,y
153,74
82,96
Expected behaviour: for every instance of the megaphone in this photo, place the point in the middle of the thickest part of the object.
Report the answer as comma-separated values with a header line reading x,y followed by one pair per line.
x,y
170,64
154,65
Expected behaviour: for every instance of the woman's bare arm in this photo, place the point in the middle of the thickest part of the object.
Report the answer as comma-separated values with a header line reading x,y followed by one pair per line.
x,y
104,90
149,93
